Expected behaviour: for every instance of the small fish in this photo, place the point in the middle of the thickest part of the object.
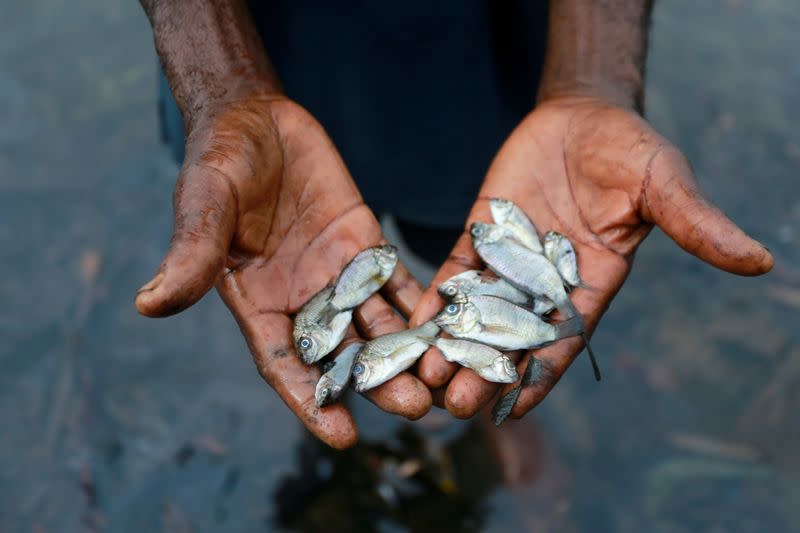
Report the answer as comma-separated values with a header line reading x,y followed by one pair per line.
x,y
474,282
384,357
501,324
507,214
335,379
363,276
315,335
558,249
526,270
489,363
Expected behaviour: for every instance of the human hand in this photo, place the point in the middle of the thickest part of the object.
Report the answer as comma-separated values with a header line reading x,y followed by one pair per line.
x,y
265,210
599,174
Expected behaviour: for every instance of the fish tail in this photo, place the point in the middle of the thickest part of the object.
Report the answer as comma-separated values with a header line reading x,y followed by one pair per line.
x,y
567,308
328,313
592,358
571,327
427,332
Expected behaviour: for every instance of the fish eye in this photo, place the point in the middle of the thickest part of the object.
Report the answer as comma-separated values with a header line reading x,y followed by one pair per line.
x,y
324,393
451,290
305,343
358,369
451,309
476,230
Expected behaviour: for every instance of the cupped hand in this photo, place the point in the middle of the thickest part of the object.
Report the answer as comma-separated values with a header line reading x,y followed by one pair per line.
x,y
602,176
265,210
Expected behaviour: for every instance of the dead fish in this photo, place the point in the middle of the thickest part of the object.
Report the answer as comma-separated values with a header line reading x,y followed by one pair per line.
x,y
475,282
316,333
384,357
507,214
520,266
558,249
501,324
527,271
363,276
335,379
488,363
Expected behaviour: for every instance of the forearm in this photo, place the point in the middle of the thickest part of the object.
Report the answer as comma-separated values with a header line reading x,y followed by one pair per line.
x,y
597,48
210,51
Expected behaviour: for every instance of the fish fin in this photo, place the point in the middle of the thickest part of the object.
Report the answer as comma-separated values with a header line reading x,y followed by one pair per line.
x,y
595,367
505,404
567,308
571,327
328,313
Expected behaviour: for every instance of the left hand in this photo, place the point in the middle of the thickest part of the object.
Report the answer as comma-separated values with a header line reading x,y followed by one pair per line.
x,y
599,174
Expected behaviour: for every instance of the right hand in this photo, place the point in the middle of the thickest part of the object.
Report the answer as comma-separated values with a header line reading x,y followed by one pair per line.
x,y
265,210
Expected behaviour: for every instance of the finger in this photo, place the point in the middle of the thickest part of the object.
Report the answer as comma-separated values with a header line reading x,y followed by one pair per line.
x,y
268,336
204,219
672,199
433,369
403,290
468,393
557,357
404,394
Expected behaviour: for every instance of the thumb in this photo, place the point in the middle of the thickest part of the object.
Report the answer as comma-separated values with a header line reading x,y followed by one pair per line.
x,y
672,199
204,219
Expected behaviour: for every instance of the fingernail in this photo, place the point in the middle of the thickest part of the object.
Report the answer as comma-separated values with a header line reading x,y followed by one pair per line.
x,y
152,284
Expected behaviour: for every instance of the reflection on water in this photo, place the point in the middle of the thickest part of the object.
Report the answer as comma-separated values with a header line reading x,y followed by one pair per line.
x,y
112,422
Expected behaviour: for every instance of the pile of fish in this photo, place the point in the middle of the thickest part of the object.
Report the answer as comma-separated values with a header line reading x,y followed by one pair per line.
x,y
485,315
489,315
321,325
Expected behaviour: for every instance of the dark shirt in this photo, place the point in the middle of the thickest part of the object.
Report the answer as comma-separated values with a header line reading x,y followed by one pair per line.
x,y
417,96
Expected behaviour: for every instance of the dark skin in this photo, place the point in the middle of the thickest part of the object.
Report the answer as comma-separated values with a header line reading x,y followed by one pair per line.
x,y
266,211
586,164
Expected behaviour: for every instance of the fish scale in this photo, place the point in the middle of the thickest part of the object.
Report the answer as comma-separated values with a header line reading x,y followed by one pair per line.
x,y
527,271
503,318
386,356
362,277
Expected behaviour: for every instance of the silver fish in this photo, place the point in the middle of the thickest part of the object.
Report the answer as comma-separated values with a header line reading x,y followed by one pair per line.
x,y
475,282
363,276
501,324
315,333
558,249
525,269
333,382
386,356
489,363
507,214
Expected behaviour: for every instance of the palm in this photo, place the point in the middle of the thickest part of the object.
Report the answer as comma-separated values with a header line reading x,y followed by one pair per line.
x,y
600,175
266,209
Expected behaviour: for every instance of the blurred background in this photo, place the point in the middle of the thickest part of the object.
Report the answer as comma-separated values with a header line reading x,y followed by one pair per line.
x,y
113,422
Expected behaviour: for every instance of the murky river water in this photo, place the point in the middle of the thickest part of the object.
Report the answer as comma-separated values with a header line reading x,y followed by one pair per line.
x,y
113,422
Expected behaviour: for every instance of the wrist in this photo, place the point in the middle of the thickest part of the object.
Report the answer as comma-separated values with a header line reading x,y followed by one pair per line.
x,y
211,54
597,48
